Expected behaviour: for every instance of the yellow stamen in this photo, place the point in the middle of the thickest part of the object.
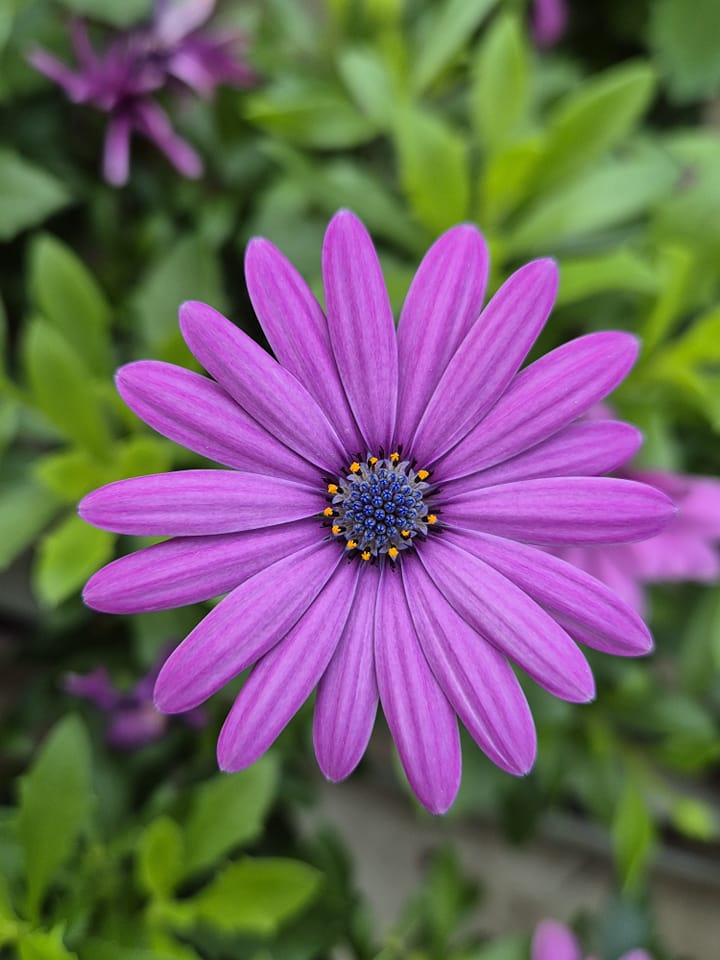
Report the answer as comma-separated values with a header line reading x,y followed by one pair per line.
x,y
365,554
395,457
423,474
431,518
351,544
372,461
332,488
393,552
404,533
336,529
328,512
354,467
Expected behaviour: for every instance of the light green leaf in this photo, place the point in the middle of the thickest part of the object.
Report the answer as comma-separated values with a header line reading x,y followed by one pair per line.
x,y
94,948
160,857
55,803
368,80
68,296
42,945
71,474
123,14
686,46
255,896
695,819
434,173
67,556
633,836
61,389
499,91
28,194
588,123
506,179
24,510
10,926
620,270
228,811
442,32
675,267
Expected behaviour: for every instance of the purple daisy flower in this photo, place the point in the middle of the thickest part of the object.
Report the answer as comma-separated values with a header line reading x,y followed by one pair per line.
x,y
376,529
555,941
173,47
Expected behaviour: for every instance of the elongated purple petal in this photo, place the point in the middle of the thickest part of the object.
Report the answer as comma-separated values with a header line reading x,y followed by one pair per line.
x,y
421,720
174,21
263,388
477,679
508,618
608,624
347,696
59,72
563,510
548,395
614,565
487,359
152,121
116,151
192,502
286,676
190,569
443,302
297,332
243,627
197,413
554,941
362,331
676,554
587,448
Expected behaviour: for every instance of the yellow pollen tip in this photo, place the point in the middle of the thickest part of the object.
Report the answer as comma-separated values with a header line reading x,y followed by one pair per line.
x,y
393,552
395,457
336,529
328,512
431,518
332,488
423,474
372,460
351,544
404,533
354,466
365,554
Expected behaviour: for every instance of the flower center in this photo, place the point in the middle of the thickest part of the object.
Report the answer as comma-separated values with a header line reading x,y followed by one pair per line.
x,y
379,507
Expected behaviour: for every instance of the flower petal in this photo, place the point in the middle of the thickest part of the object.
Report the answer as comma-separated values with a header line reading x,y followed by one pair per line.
x,y
587,448
561,588
243,627
508,618
347,696
297,332
444,300
563,510
543,398
554,941
193,502
196,413
477,679
286,676
268,392
421,720
191,569
116,150
487,359
362,331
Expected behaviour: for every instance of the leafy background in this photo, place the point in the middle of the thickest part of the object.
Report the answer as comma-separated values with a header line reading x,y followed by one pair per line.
x,y
603,153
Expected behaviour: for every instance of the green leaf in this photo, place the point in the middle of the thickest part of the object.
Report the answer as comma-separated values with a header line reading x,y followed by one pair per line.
x,y
55,803
71,300
695,819
255,896
620,270
370,85
67,556
633,836
160,857
434,173
499,91
110,11
443,31
228,811
589,123
61,388
685,47
506,179
28,194
24,510
10,926
41,945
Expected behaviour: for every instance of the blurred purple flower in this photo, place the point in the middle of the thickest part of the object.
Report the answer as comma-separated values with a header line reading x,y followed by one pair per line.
x,y
172,49
422,454
132,719
555,941
549,21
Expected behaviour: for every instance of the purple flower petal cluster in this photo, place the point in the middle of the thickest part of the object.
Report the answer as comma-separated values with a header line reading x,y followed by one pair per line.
x,y
555,941
132,718
123,80
379,532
